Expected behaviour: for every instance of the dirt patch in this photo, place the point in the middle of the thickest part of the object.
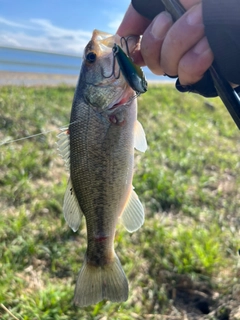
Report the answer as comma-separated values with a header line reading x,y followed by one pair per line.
x,y
197,300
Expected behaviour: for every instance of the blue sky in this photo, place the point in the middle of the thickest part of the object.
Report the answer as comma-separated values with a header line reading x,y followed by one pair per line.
x,y
57,25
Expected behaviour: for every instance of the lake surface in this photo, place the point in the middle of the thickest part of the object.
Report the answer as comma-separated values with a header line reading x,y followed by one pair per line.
x,y
23,60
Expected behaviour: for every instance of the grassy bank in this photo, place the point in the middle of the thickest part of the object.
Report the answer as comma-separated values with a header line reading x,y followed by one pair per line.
x,y
182,263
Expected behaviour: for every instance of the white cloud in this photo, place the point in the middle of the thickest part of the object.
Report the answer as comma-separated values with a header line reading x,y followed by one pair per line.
x,y
40,34
13,24
115,21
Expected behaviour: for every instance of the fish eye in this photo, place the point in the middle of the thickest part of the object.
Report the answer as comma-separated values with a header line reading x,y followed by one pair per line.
x,y
91,57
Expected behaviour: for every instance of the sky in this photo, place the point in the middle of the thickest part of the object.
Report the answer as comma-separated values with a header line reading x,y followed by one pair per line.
x,y
63,26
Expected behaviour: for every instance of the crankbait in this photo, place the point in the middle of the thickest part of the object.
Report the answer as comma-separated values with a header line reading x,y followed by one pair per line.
x,y
132,73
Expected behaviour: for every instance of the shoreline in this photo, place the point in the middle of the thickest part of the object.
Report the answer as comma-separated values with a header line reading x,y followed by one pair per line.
x,y
30,79
33,79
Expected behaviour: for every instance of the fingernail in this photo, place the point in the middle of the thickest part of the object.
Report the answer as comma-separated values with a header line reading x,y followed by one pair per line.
x,y
201,47
161,25
194,16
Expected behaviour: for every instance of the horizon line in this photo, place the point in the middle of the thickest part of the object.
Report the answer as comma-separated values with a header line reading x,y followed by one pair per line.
x,y
41,51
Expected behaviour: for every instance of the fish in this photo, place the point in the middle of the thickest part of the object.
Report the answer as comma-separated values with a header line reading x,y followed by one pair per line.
x,y
98,150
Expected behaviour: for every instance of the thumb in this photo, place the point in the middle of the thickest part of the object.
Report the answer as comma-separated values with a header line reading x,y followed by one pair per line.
x,y
133,23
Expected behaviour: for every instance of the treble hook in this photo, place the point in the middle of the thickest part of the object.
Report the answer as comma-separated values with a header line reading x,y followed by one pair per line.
x,y
115,51
126,44
132,73
113,67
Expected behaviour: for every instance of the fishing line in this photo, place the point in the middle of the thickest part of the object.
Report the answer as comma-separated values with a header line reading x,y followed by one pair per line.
x,y
27,137
38,134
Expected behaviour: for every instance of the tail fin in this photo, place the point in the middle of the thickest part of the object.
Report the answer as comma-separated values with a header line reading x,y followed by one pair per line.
x,y
102,282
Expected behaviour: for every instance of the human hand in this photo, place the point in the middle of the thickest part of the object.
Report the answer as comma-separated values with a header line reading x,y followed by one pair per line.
x,y
178,48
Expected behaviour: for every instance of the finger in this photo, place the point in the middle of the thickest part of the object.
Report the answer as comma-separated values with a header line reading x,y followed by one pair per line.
x,y
195,62
183,35
136,56
152,41
133,23
189,3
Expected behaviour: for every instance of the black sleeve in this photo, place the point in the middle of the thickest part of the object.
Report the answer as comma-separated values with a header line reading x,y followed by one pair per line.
x,y
222,28
148,9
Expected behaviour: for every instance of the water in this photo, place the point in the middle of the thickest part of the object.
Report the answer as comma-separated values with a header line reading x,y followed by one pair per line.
x,y
23,60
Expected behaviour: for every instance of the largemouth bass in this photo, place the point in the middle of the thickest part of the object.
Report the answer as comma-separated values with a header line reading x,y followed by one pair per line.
x,y
98,148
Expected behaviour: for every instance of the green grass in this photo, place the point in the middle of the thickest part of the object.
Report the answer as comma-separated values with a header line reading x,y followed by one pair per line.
x,y
188,180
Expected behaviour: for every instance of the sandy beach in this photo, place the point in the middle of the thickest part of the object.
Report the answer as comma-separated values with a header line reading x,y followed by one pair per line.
x,y
36,79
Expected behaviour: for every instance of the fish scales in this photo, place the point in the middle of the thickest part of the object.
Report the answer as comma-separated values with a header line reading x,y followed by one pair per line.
x,y
101,135
101,156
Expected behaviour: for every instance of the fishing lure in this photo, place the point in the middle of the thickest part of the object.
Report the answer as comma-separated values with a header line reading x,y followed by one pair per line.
x,y
132,73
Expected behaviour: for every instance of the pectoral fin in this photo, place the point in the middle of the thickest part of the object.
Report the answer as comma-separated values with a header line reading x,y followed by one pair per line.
x,y
133,214
140,142
71,209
